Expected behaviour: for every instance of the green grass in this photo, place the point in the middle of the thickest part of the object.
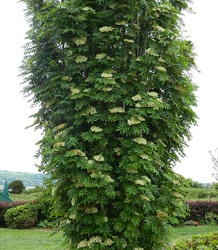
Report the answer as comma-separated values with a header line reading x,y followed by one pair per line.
x,y
186,232
11,239
24,197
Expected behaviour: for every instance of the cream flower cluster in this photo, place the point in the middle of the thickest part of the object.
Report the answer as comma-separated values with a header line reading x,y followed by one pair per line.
x,y
153,94
140,140
100,56
135,120
118,151
161,69
120,23
90,111
87,8
74,90
94,239
131,170
106,29
61,126
98,158
96,129
67,78
78,152
144,198
59,144
137,98
128,40
140,182
159,28
106,75
91,210
80,40
117,110
81,59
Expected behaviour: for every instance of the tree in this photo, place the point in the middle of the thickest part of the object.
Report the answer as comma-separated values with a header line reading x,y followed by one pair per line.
x,y
16,187
115,101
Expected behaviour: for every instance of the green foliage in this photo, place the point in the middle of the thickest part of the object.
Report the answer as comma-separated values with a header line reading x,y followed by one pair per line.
x,y
211,218
201,193
205,241
16,187
24,216
115,103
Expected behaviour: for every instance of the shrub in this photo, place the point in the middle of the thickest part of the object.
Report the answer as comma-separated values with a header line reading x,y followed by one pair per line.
x,y
36,189
4,206
204,241
211,219
24,216
199,209
115,105
201,193
16,187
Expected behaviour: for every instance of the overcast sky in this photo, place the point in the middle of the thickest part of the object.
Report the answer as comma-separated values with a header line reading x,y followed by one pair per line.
x,y
17,144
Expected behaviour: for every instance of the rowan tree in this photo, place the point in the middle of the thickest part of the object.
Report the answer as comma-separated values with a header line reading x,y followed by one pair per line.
x,y
111,80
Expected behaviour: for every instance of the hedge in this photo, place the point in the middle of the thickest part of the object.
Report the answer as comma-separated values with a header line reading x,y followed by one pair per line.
x,y
4,206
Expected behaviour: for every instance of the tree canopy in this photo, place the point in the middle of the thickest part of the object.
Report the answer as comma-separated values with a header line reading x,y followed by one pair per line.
x,y
111,80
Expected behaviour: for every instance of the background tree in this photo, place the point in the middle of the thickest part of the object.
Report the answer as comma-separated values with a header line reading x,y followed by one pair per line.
x,y
115,103
16,187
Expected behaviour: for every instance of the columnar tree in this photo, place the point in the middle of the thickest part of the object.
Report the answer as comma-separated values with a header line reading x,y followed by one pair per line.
x,y
115,101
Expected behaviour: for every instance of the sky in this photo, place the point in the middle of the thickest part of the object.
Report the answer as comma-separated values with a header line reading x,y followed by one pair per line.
x,y
18,145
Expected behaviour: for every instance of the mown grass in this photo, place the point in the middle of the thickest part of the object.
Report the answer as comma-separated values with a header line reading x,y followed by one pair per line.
x,y
24,197
185,232
11,239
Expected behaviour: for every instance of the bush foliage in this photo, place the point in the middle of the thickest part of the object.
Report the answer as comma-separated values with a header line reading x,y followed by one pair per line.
x,y
204,241
4,206
115,101
24,216
199,209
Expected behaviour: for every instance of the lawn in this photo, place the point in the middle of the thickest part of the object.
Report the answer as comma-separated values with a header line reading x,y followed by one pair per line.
x,y
24,197
179,233
11,239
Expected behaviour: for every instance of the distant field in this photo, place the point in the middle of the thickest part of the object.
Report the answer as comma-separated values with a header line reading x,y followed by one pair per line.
x,y
24,197
11,239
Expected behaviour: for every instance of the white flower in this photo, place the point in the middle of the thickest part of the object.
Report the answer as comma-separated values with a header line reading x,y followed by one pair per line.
x,y
128,40
107,89
88,9
161,69
138,248
153,94
131,170
159,28
73,201
59,144
90,111
135,120
106,75
98,158
150,51
140,182
61,126
87,90
95,239
67,78
144,157
96,129
81,59
117,110
106,29
137,98
100,56
91,210
140,140
105,219
144,198
83,244
108,179
138,59
122,23
118,151
108,242
145,178
138,105
80,40
75,91
72,216
77,152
